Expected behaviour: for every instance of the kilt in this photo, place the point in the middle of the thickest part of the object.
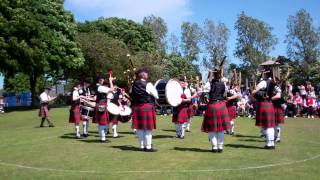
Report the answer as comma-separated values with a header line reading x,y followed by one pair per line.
x,y
114,119
44,111
265,114
102,118
181,114
144,117
75,116
279,114
190,111
216,118
232,110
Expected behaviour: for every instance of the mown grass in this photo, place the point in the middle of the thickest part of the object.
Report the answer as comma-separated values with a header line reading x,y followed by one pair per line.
x,y
30,152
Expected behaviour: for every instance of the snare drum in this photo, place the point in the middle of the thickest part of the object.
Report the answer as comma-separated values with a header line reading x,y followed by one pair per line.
x,y
86,112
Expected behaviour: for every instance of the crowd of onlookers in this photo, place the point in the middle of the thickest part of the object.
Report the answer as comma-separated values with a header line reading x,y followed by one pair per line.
x,y
301,101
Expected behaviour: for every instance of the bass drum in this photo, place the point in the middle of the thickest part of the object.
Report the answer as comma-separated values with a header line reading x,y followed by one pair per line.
x,y
125,114
173,92
160,85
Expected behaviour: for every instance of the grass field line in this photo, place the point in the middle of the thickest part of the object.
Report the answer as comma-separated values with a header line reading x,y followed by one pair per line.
x,y
162,171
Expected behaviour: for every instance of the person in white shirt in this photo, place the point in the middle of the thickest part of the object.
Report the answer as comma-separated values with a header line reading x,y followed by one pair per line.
x,y
144,115
44,110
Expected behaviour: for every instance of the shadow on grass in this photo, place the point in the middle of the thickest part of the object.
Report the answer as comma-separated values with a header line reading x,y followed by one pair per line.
x,y
92,141
127,148
125,132
191,149
169,130
243,146
162,137
251,140
248,136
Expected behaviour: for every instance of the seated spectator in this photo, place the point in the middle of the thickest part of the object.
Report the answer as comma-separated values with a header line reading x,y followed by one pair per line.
x,y
310,104
290,110
297,101
1,104
318,105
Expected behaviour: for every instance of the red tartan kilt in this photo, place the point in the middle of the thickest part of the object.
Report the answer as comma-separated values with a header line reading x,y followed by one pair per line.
x,y
181,115
102,118
232,110
43,111
114,119
216,118
190,111
279,115
265,114
144,117
75,116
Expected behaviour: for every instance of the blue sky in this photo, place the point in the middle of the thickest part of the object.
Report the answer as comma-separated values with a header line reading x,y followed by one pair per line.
x,y
174,12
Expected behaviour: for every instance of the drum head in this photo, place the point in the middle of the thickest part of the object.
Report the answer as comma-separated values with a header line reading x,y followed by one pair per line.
x,y
173,92
125,111
113,109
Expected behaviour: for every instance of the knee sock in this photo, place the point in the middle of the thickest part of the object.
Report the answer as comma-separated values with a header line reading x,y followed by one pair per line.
x,y
277,132
213,140
270,137
141,138
183,129
77,128
220,140
114,129
148,139
85,125
232,126
102,132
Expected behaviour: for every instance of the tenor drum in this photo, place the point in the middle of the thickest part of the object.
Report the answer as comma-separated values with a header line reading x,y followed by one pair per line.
x,y
125,114
113,109
86,112
173,92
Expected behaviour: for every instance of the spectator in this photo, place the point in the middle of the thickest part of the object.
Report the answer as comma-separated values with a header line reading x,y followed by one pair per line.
x,y
298,104
1,104
318,105
310,103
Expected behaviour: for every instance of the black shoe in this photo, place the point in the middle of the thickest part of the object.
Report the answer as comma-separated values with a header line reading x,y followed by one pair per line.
x,y
151,150
220,150
269,147
51,125
277,141
214,150
85,135
262,136
41,126
177,136
101,141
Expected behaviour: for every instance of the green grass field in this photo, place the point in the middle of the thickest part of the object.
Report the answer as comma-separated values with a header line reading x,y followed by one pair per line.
x,y
30,152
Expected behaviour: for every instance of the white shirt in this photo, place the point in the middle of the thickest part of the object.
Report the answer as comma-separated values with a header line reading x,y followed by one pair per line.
x,y
152,90
262,84
103,89
75,95
44,97
206,87
187,92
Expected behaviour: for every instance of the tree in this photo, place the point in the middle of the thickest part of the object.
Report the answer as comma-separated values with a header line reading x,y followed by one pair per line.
x,y
254,41
102,53
303,43
159,29
177,66
190,37
37,39
136,36
215,38
173,44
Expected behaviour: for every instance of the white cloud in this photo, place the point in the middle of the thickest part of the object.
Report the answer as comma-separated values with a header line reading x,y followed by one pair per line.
x,y
172,11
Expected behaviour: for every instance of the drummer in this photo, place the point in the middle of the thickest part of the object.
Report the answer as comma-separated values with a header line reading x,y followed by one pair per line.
x,y
101,115
86,93
181,113
144,115
75,116
113,97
